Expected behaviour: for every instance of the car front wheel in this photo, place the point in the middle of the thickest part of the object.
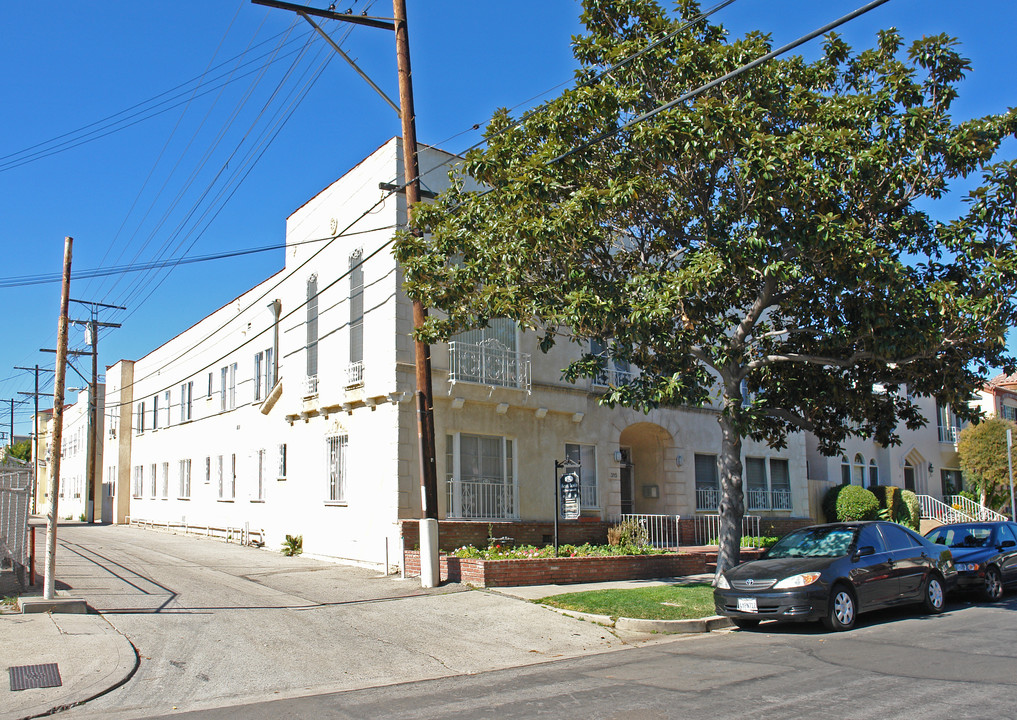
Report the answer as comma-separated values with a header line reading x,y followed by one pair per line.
x,y
842,610
993,589
935,597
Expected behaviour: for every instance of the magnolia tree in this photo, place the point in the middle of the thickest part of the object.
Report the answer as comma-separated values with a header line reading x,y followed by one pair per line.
x,y
772,234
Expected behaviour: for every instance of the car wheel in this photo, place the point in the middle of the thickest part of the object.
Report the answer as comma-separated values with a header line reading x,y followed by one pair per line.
x,y
745,623
993,589
934,599
842,610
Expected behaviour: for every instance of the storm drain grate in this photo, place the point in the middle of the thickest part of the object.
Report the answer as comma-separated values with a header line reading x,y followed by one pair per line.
x,y
24,677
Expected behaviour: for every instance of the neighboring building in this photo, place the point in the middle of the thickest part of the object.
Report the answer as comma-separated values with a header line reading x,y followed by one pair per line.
x,y
290,408
116,468
73,487
999,397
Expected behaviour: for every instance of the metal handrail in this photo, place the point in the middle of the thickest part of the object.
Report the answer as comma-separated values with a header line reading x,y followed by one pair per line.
x,y
974,510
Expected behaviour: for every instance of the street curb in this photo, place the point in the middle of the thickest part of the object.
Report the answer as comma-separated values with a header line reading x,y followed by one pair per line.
x,y
696,625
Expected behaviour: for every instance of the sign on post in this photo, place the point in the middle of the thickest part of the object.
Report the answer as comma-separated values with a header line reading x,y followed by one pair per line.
x,y
570,504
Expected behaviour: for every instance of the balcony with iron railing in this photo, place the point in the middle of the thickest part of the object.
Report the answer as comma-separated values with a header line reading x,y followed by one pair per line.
x,y
707,498
354,375
481,499
613,377
763,499
949,433
488,363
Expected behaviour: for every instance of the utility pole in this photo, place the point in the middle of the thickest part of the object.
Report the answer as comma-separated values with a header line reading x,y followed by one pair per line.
x,y
429,567
49,587
93,325
10,437
35,432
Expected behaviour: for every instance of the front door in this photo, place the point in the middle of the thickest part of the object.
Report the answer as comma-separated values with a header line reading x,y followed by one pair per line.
x,y
909,476
626,481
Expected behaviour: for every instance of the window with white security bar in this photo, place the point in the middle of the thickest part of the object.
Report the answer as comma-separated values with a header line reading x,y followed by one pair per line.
x,y
707,482
582,460
481,477
767,484
336,451
185,479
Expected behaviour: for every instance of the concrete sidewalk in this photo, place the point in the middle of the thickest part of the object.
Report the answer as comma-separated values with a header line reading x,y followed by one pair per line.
x,y
93,658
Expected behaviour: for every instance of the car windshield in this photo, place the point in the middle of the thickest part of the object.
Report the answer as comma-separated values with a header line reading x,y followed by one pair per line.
x,y
814,542
962,536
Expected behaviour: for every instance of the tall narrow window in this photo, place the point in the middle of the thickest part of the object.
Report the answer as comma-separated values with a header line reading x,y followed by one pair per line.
x,y
165,481
261,475
336,449
356,307
185,478
258,359
208,469
209,396
233,477
223,376
233,386
582,460
873,473
155,412
139,481
218,468
169,418
707,482
282,462
186,398
312,327
139,423
154,482
483,477
757,497
780,485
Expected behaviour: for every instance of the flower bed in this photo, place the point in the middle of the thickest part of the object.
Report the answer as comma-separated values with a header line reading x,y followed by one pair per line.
x,y
566,570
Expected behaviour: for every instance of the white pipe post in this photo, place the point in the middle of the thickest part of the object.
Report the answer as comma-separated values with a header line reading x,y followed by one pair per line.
x,y
1009,462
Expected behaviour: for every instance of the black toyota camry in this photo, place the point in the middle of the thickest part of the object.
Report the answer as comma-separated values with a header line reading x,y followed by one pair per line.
x,y
834,572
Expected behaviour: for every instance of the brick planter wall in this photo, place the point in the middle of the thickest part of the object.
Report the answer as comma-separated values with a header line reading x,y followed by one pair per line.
x,y
562,571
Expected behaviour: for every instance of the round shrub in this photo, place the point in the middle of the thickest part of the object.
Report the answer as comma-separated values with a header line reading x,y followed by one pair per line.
x,y
856,503
830,502
914,509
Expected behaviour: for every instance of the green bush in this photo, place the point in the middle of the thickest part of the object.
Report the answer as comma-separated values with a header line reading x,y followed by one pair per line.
x,y
889,499
909,502
628,532
830,502
856,503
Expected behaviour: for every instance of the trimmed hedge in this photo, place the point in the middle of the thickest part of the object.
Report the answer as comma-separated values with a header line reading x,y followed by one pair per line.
x,y
914,509
856,503
830,502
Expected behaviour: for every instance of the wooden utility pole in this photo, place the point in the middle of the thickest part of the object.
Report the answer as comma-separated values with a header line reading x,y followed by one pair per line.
x,y
49,587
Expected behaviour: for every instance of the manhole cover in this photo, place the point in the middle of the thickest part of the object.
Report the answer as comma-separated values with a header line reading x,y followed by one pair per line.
x,y
24,677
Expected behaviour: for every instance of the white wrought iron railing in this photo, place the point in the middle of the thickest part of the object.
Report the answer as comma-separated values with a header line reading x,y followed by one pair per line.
x,y
488,363
707,530
707,498
484,499
948,433
613,376
662,531
935,509
973,510
354,374
310,386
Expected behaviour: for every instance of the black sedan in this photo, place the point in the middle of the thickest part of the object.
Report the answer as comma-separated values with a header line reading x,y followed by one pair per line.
x,y
985,554
834,572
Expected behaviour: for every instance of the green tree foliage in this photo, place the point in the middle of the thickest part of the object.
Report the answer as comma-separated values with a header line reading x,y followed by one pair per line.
x,y
21,450
771,231
983,460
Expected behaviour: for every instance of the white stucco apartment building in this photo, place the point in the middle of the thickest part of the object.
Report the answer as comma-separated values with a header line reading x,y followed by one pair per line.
x,y
290,409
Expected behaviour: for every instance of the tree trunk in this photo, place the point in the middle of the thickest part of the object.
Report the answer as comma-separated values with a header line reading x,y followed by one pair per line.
x,y
732,502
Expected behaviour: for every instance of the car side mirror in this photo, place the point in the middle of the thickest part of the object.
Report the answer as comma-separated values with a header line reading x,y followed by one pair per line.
x,y
864,550
1007,544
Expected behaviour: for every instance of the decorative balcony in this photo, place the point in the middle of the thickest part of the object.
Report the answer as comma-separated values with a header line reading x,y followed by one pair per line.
x,y
763,499
355,375
707,498
488,363
949,433
481,499
613,377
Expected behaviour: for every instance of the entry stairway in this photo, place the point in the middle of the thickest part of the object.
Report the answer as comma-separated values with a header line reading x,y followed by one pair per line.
x,y
955,509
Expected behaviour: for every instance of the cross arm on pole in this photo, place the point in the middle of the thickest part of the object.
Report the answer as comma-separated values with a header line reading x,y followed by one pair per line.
x,y
382,23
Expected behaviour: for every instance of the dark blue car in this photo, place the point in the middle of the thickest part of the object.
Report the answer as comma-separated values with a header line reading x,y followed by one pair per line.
x,y
834,572
985,554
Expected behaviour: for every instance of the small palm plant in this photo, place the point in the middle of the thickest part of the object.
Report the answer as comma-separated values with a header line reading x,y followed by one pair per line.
x,y
293,545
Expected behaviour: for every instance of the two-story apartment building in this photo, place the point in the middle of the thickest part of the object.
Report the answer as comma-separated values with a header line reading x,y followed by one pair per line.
x,y
74,460
290,408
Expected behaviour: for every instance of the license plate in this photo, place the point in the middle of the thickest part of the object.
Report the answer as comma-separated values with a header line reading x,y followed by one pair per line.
x,y
747,605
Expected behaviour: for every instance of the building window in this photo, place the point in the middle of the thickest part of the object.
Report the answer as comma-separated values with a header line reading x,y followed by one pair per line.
x,y
233,476
481,478
951,481
858,474
282,462
949,424
155,412
258,359
185,479
845,471
186,397
615,372
138,485
208,469
1008,412
336,448
312,330
780,484
582,460
223,377
154,481
209,396
873,474
139,421
233,387
489,356
757,494
355,374
707,482
261,475
263,378
165,481
218,472
169,404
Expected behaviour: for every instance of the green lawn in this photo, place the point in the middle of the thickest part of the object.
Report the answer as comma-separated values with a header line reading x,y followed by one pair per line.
x,y
662,602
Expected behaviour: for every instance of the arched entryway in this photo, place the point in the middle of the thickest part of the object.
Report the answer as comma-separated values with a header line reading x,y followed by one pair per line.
x,y
915,473
647,469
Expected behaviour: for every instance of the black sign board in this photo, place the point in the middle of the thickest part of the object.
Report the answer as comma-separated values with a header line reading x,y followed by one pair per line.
x,y
570,505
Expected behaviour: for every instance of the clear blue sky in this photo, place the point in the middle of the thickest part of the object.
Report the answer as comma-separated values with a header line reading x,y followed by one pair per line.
x,y
218,168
